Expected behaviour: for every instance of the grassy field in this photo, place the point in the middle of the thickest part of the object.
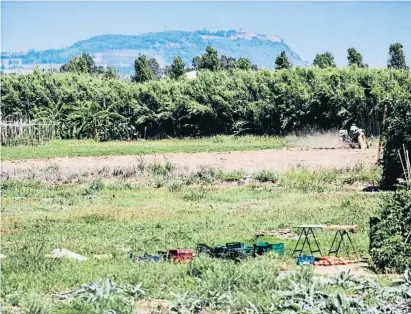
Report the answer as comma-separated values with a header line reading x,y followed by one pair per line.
x,y
109,218
82,148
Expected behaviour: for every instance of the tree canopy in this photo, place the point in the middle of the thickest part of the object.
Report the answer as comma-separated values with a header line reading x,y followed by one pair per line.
x,y
396,58
355,58
282,62
177,68
143,72
324,60
209,60
155,68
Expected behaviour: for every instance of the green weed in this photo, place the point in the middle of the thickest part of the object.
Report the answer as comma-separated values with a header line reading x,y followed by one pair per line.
x,y
266,176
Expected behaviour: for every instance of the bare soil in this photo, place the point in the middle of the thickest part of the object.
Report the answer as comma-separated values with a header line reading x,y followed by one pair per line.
x,y
358,269
249,161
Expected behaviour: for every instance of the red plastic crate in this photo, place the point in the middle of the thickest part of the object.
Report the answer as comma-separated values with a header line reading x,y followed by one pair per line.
x,y
180,256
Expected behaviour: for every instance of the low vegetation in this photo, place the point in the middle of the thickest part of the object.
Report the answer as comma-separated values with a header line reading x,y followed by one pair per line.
x,y
83,148
391,235
157,206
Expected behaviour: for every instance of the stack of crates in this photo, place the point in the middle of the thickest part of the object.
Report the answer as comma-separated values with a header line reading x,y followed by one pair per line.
x,y
240,250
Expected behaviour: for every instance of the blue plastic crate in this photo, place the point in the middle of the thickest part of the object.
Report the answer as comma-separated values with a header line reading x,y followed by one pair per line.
x,y
305,260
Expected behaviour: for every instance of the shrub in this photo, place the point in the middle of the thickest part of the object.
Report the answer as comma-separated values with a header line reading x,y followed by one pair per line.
x,y
175,186
397,133
204,175
231,176
94,186
266,176
158,169
388,247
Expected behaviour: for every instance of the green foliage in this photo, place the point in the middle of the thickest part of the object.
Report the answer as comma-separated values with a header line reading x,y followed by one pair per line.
x,y
396,58
142,70
94,186
390,248
222,102
209,60
266,176
324,60
154,67
195,194
308,181
244,64
397,133
110,73
177,68
354,58
231,176
82,64
85,64
282,62
228,63
149,219
196,62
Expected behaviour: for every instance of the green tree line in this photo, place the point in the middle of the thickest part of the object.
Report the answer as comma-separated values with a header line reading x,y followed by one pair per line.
x,y
221,102
146,69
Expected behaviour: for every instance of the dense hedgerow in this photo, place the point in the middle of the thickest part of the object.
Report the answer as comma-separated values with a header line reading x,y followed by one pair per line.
x,y
390,242
258,102
397,135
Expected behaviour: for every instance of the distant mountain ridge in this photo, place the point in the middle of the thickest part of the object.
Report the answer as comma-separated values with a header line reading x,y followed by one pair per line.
x,y
121,50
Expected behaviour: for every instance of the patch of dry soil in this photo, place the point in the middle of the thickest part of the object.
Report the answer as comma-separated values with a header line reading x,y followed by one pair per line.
x,y
358,269
249,161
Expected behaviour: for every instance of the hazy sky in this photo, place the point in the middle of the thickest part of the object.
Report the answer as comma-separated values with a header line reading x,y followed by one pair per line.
x,y
308,28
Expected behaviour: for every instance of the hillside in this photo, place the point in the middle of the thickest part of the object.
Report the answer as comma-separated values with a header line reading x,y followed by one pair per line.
x,y
121,50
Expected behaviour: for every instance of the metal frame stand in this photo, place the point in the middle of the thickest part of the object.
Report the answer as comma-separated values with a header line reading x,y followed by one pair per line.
x,y
336,244
306,232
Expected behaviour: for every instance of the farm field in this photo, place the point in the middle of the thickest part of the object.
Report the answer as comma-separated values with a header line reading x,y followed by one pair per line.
x,y
221,143
203,181
104,210
84,148
106,219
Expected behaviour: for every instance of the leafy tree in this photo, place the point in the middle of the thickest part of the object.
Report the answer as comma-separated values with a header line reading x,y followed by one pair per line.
x,y
177,68
228,63
65,68
82,64
166,70
244,64
196,62
354,58
396,58
324,60
282,62
85,64
155,68
143,72
210,60
110,73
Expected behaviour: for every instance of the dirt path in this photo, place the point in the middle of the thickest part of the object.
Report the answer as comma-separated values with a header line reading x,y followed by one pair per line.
x,y
249,161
